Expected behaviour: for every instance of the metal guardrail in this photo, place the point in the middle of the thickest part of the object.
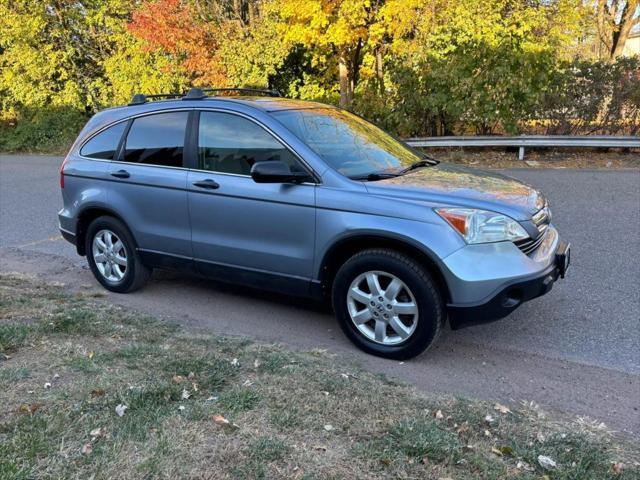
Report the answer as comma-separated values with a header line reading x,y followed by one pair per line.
x,y
529,141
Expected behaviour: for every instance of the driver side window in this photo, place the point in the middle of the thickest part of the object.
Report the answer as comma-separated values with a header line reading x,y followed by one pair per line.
x,y
229,143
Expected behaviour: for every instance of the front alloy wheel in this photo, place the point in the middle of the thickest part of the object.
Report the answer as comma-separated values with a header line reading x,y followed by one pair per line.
x,y
387,303
382,307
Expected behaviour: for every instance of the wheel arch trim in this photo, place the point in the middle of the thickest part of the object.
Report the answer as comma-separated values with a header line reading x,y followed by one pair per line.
x,y
350,243
86,216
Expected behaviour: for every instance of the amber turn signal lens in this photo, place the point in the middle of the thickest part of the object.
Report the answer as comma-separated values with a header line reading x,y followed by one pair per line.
x,y
457,220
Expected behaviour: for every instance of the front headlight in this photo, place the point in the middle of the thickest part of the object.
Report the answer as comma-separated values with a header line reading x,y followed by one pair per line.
x,y
481,226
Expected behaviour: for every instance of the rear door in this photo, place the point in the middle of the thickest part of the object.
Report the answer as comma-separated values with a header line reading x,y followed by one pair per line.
x,y
149,186
241,230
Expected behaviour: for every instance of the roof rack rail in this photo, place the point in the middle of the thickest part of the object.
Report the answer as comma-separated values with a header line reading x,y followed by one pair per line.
x,y
140,98
199,94
263,91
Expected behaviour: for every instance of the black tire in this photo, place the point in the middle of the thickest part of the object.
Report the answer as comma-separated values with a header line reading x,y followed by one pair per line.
x,y
136,273
431,311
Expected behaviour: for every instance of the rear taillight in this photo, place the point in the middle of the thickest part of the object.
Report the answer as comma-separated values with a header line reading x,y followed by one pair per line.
x,y
62,173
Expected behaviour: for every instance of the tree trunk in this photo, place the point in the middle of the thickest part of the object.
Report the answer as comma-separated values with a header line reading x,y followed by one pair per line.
x,y
343,67
621,34
379,69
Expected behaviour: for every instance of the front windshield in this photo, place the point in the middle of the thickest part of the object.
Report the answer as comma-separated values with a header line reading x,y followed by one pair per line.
x,y
353,146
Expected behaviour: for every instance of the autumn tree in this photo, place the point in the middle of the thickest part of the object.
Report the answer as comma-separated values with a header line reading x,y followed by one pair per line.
x,y
331,28
53,51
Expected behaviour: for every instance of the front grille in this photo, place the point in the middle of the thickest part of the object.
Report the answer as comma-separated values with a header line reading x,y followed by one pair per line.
x,y
528,245
541,219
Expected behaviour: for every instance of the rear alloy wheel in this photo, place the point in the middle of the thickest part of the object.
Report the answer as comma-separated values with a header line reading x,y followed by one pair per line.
x,y
387,304
109,256
112,256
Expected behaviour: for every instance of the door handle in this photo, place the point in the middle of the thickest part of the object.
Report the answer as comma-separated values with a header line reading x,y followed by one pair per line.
x,y
121,174
208,184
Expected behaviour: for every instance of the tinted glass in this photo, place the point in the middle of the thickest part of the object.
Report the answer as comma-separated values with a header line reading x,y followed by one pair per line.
x,y
157,139
105,144
232,144
350,144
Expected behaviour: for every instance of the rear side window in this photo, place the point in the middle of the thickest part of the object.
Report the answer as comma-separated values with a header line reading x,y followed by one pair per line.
x,y
232,144
157,139
103,146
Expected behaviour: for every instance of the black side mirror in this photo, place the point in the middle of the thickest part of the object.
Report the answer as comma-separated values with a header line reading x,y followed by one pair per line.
x,y
275,171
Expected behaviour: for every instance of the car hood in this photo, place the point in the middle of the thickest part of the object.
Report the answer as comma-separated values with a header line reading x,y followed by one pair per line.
x,y
462,186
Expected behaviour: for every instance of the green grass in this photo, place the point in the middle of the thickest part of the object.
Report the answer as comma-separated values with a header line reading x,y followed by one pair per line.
x,y
292,414
12,336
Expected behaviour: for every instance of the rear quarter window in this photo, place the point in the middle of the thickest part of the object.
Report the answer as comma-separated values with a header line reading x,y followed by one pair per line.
x,y
104,145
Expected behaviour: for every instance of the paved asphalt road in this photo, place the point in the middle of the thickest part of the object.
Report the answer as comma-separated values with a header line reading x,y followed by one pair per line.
x,y
576,349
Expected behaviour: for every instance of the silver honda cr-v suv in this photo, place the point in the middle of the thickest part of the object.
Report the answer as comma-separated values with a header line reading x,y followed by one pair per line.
x,y
306,199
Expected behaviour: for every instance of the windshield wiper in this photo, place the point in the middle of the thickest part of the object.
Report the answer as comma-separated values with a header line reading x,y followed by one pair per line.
x,y
425,162
372,177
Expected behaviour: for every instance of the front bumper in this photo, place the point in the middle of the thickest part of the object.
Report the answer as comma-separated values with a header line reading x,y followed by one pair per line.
x,y
512,296
490,281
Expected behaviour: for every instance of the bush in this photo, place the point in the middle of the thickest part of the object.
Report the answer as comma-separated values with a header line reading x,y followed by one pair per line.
x,y
50,130
512,94
587,97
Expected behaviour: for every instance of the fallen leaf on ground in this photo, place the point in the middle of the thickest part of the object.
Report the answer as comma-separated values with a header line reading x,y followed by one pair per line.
x,y
120,409
496,451
29,408
223,422
501,408
97,433
191,376
328,427
87,448
464,428
617,467
506,450
97,392
438,414
547,463
177,379
524,466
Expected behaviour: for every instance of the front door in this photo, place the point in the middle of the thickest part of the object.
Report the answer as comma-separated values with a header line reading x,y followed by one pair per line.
x,y
243,231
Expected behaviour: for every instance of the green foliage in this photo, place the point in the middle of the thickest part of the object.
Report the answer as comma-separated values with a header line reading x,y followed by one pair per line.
x,y
415,67
42,130
592,97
